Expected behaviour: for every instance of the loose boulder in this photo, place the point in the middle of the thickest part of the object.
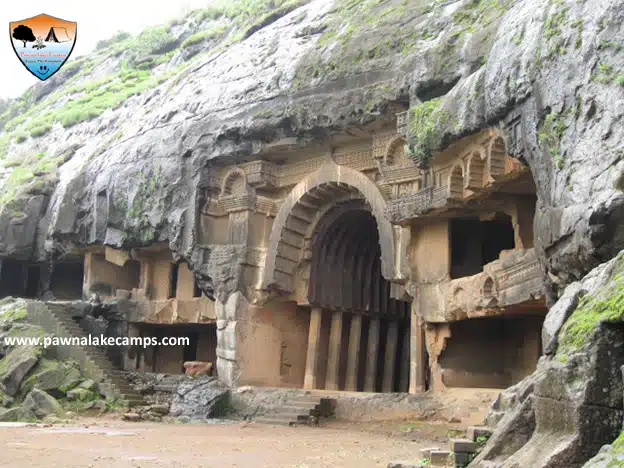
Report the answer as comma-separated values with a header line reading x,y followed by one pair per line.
x,y
198,368
200,398
41,404
16,414
16,365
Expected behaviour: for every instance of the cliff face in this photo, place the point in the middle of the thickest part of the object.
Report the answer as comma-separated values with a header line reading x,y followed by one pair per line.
x,y
131,129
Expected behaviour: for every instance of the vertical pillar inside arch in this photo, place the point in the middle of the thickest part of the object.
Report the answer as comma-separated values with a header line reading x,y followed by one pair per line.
x,y
371,355
353,360
333,359
390,356
417,352
313,354
404,367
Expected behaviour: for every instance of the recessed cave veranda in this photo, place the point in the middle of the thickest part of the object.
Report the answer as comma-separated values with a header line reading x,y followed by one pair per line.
x,y
345,266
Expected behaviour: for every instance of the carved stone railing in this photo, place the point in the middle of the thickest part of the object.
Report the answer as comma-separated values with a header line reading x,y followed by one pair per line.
x,y
175,311
519,273
417,204
402,123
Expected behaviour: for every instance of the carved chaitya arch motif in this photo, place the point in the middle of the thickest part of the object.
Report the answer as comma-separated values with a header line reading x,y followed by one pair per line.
x,y
395,154
476,170
496,157
294,219
234,183
456,181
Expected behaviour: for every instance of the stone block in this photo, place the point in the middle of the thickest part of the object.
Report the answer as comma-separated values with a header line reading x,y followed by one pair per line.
x,y
462,458
474,432
404,464
440,457
462,445
426,452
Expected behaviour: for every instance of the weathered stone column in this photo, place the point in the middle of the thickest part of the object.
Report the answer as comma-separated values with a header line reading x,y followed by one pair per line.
x,y
404,365
87,275
390,356
417,355
353,361
333,358
371,355
312,358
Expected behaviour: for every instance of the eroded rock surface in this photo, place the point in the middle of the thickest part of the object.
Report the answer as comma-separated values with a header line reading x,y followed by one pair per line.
x,y
550,67
199,398
573,404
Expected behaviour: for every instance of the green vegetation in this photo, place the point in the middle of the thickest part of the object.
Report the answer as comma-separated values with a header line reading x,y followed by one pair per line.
x,y
620,80
120,36
610,44
606,304
617,450
480,13
426,120
579,25
605,74
550,135
152,41
553,32
214,33
14,314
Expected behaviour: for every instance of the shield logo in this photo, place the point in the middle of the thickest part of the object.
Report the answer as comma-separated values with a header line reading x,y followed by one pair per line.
x,y
43,43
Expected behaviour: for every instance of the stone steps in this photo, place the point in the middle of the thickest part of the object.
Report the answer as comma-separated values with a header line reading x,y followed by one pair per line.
x,y
299,410
94,362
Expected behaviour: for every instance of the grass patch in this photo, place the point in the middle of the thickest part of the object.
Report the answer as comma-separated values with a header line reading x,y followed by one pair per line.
x,y
214,33
550,135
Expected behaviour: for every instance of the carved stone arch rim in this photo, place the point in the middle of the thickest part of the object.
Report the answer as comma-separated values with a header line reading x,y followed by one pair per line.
x,y
229,177
398,139
333,173
462,165
480,153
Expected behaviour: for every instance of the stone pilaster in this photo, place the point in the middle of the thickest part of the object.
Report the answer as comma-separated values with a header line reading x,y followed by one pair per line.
x,y
312,358
371,356
353,360
390,356
333,358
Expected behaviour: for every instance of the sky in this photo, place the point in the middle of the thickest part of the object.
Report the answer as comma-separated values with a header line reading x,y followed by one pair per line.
x,y
96,21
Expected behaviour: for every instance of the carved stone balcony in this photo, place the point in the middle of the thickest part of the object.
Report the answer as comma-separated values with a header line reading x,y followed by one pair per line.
x,y
504,285
417,203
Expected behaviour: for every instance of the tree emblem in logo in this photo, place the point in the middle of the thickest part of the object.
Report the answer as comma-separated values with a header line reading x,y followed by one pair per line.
x,y
43,43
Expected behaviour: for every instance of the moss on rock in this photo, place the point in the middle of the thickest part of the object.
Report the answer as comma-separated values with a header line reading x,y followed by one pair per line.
x,y
606,305
426,122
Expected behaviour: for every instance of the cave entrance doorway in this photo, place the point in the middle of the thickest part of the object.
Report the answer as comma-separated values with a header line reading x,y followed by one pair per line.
x,y
359,336
490,352
163,357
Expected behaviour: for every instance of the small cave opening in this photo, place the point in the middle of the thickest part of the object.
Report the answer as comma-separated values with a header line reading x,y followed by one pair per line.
x,y
475,243
66,280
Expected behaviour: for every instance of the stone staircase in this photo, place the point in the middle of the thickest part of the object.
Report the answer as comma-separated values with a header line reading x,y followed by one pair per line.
x,y
54,317
300,409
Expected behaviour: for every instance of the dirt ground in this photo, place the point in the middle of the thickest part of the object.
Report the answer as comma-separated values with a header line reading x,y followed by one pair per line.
x,y
108,442
117,444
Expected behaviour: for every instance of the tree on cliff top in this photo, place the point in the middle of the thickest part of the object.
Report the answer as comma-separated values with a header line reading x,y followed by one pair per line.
x,y
24,34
